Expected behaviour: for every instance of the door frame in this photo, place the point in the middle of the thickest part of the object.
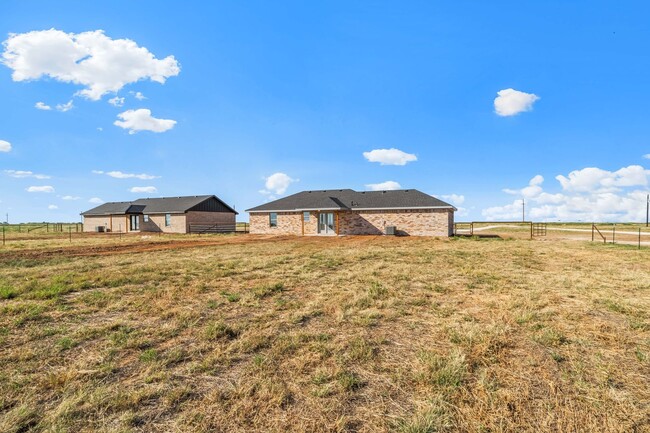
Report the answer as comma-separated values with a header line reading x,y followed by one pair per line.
x,y
329,221
137,223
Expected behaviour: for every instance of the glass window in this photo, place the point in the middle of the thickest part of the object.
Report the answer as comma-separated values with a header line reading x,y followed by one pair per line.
x,y
305,217
273,219
145,218
168,219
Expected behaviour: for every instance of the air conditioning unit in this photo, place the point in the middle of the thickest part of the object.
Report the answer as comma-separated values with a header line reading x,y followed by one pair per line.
x,y
99,229
390,230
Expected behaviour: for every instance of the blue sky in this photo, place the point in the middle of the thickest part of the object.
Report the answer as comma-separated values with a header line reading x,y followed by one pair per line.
x,y
264,99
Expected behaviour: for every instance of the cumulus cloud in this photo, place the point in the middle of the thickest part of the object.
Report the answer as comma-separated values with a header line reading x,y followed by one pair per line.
x,y
383,186
455,199
42,106
646,156
52,207
5,146
44,188
589,194
121,175
138,95
65,107
277,184
70,197
25,173
142,120
390,156
90,59
510,102
533,189
592,179
116,101
96,200
144,189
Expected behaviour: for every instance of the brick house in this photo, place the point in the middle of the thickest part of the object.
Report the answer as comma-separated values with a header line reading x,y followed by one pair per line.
x,y
348,212
167,215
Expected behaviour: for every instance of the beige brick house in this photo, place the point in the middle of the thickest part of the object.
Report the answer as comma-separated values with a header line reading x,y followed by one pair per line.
x,y
202,213
348,212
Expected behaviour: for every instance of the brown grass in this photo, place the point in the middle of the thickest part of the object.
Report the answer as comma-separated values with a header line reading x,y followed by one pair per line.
x,y
366,334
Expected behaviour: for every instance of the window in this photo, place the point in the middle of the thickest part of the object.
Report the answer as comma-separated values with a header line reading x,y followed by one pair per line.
x,y
168,219
305,217
273,219
145,218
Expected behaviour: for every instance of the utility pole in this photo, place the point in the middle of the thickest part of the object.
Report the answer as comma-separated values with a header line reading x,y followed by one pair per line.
x,y
7,217
523,210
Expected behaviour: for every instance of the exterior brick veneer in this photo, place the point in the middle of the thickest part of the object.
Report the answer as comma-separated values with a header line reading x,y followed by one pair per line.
x,y
179,222
413,222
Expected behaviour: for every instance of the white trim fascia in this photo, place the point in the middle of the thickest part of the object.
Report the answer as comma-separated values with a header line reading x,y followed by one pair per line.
x,y
403,208
355,208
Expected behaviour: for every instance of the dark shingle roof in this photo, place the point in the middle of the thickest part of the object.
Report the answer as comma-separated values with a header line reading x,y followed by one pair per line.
x,y
154,205
347,199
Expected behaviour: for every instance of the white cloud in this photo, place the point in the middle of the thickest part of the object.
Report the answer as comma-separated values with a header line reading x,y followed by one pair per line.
x,y
42,106
52,207
44,188
121,175
646,156
511,102
96,200
277,183
100,129
138,95
24,173
390,156
116,101
141,120
533,189
592,179
589,194
65,107
5,146
454,199
144,189
384,186
90,59
70,197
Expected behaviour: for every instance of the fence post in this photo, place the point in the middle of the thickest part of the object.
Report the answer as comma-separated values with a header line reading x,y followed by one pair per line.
x,y
614,234
3,236
592,232
70,233
639,238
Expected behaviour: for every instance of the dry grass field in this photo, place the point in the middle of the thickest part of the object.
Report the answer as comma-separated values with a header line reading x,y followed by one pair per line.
x,y
356,334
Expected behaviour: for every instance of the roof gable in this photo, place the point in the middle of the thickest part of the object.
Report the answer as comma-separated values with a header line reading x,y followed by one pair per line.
x,y
163,205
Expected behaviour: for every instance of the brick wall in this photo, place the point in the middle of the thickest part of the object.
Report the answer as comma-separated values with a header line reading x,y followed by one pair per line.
x,y
425,222
157,223
195,217
311,226
110,222
289,223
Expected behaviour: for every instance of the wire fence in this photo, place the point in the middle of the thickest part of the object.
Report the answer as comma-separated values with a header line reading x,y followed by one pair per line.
x,y
74,231
609,233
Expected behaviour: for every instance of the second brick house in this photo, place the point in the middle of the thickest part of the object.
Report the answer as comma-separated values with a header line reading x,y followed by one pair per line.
x,y
349,212
166,215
